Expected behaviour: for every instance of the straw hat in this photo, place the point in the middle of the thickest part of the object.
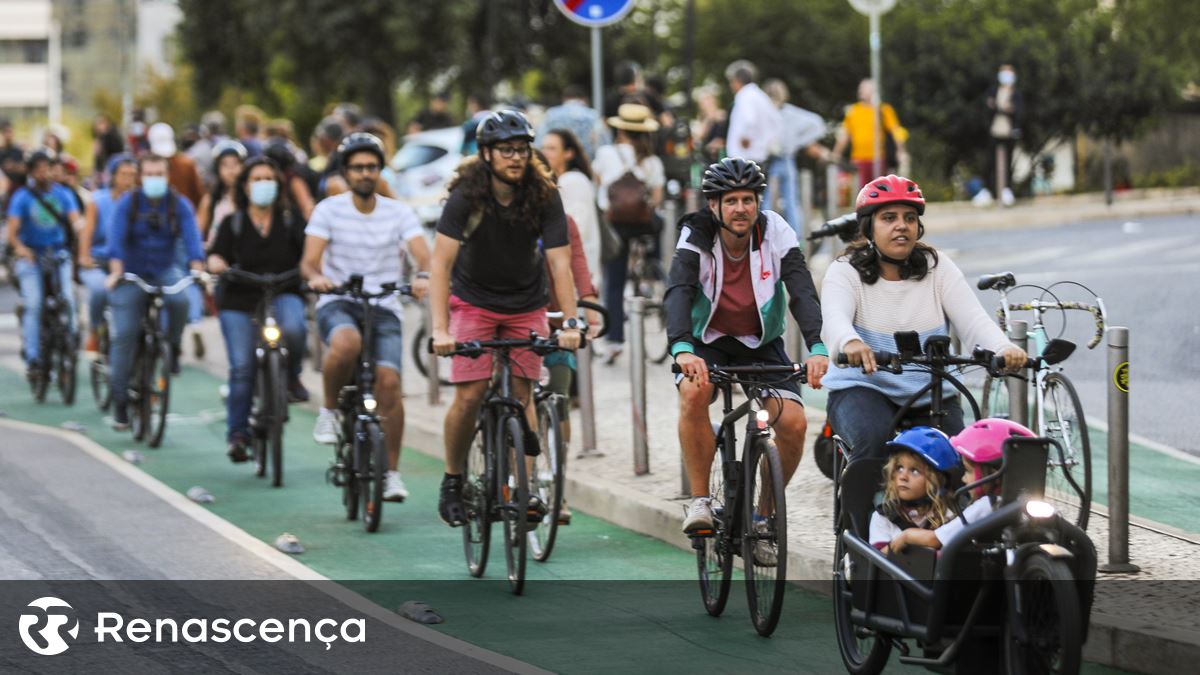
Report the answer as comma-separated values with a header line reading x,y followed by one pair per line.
x,y
634,117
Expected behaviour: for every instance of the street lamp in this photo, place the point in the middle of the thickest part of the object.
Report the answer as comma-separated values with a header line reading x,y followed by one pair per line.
x,y
873,9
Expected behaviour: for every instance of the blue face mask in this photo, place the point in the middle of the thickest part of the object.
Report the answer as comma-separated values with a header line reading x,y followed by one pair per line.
x,y
263,192
155,187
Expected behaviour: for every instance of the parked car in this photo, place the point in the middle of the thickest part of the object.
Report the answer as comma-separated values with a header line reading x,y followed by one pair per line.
x,y
423,167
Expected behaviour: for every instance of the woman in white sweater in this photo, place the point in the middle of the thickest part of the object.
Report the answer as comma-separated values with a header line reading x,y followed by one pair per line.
x,y
886,282
566,158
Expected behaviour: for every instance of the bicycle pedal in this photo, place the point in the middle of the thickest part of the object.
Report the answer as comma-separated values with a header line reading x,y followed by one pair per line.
x,y
701,534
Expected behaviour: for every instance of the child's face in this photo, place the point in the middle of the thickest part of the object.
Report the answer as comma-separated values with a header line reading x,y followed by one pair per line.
x,y
910,477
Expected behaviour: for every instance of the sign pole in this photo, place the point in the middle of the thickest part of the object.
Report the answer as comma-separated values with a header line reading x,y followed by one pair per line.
x,y
597,73
877,95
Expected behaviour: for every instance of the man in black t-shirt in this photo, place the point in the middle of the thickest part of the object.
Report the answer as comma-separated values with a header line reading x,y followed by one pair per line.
x,y
487,279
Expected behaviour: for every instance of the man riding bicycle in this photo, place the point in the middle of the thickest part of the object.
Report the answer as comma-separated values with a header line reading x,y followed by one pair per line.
x,y
40,220
736,273
142,239
489,279
362,232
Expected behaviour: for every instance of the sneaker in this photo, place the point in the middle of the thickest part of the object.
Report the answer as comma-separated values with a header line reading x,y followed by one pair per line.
x,y
296,392
450,506
612,353
536,510
120,418
176,364
93,343
1007,198
564,514
699,519
765,554
237,449
393,488
198,345
326,432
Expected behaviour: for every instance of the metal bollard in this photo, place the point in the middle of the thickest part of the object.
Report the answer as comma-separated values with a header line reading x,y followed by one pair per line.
x,y
1118,452
666,238
806,199
1018,387
831,191
587,403
433,382
637,382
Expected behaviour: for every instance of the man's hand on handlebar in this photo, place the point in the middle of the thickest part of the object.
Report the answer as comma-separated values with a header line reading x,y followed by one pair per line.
x,y
1014,358
420,287
443,342
859,354
321,284
815,368
693,367
569,338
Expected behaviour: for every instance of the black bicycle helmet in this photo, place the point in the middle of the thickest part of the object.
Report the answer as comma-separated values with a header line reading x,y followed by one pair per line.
x,y
503,125
279,151
361,141
733,173
227,147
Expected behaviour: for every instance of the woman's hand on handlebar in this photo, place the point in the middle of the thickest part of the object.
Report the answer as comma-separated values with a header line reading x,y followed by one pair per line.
x,y
321,284
693,367
443,342
859,354
1014,358
815,368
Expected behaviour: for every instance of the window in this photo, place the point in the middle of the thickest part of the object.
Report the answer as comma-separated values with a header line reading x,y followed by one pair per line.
x,y
24,51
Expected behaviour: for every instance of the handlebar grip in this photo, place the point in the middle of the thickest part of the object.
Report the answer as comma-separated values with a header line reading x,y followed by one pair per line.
x,y
676,369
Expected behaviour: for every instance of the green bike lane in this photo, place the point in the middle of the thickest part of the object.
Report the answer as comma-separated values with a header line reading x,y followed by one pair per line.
x,y
609,600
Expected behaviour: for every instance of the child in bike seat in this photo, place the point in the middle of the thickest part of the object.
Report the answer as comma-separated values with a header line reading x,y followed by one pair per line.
x,y
922,464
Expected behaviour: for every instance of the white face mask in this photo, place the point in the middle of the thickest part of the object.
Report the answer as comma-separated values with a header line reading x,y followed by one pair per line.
x,y
1007,77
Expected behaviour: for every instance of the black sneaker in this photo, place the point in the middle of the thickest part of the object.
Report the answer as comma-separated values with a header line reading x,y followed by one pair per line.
x,y
296,392
450,506
533,445
120,418
176,351
237,449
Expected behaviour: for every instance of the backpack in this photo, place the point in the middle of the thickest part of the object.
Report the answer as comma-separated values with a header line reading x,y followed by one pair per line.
x,y
629,205
239,222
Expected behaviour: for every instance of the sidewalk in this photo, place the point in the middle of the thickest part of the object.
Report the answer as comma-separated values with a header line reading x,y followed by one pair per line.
x,y
1054,210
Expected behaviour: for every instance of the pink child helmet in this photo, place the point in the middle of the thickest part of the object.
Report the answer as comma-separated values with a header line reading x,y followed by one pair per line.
x,y
982,441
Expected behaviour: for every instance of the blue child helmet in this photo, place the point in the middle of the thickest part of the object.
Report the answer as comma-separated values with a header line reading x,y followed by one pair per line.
x,y
930,444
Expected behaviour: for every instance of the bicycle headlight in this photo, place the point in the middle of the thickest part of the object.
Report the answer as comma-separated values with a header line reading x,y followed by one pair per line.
x,y
369,403
762,417
1039,509
271,333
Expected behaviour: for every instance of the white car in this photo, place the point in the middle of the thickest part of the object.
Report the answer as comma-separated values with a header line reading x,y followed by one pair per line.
x,y
423,167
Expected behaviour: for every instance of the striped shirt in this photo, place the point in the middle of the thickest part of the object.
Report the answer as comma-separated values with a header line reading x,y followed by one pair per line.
x,y
852,310
369,244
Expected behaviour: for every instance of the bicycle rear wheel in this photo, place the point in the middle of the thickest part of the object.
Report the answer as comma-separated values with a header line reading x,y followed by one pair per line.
x,y
372,456
259,416
1069,477
764,535
68,364
514,501
549,472
101,391
158,393
276,413
138,420
995,402
714,554
477,499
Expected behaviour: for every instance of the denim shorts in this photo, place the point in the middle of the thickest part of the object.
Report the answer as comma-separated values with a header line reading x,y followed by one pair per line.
x,y
388,343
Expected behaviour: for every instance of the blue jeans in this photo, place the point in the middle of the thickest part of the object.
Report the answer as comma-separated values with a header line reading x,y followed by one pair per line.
x,y
784,169
616,273
193,293
29,272
94,279
241,338
863,418
128,303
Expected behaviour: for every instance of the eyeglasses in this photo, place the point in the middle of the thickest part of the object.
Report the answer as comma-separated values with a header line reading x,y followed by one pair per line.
x,y
363,168
509,151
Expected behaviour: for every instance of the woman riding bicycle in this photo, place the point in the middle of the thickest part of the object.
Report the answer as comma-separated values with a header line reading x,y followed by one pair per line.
x,y
886,282
262,236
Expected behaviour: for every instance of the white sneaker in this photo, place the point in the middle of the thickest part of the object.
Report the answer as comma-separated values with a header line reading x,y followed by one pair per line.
x,y
1007,198
699,518
765,553
326,430
394,489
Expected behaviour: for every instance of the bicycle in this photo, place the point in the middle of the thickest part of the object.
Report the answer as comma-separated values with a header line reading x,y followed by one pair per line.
x,y
361,461
1057,412
98,368
495,480
269,410
57,342
150,374
748,502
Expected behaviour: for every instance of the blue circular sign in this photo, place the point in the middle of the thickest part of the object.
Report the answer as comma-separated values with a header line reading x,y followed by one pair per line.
x,y
595,13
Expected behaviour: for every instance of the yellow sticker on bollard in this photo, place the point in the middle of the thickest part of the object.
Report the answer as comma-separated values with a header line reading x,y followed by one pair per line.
x,y
1121,376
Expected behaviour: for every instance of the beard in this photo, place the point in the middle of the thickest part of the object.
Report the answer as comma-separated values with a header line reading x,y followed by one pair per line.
x,y
363,188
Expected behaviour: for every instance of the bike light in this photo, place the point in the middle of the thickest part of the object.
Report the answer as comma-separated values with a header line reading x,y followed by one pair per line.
x,y
1039,509
762,417
369,403
271,333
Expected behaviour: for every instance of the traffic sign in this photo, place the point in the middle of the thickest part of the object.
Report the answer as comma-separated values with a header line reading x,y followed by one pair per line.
x,y
869,7
595,13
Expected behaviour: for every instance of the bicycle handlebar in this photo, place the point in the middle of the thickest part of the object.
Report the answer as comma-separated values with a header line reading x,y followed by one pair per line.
x,y
794,371
174,288
536,343
357,292
267,280
894,363
845,227
1005,281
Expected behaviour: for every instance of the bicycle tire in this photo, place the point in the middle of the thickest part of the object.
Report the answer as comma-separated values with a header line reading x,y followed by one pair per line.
x,y
658,350
477,498
158,395
764,520
258,415
1056,624
40,384
513,491
1064,421
995,400
276,413
714,554
68,365
138,419
350,485
549,476
824,448
420,357
372,472
101,391
863,651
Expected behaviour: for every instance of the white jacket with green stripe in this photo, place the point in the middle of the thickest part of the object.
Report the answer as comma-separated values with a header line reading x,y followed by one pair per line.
x,y
778,273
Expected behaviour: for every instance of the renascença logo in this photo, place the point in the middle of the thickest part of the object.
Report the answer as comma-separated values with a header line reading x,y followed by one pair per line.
x,y
41,630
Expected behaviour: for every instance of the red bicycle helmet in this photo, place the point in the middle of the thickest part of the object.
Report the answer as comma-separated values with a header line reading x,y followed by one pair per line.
x,y
890,189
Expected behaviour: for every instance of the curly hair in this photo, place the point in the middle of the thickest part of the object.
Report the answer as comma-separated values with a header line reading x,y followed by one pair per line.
x,y
535,190
864,257
934,490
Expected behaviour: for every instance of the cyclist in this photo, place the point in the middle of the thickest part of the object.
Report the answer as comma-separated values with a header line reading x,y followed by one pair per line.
x,y
885,282
263,236
93,250
41,221
362,232
142,239
737,270
489,279
217,204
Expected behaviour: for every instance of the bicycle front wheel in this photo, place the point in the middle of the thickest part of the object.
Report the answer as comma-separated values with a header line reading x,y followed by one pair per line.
x,y
1069,475
764,535
514,501
68,364
1050,619
101,392
371,470
477,499
158,393
714,554
276,413
548,477
995,402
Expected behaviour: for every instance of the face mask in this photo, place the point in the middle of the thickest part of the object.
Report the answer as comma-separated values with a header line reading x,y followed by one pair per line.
x,y
263,192
155,187
1007,77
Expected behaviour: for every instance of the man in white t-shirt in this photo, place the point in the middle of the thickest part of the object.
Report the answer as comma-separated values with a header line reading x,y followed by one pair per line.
x,y
361,232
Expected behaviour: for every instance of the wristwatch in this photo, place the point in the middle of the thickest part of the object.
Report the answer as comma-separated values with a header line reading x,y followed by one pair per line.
x,y
573,323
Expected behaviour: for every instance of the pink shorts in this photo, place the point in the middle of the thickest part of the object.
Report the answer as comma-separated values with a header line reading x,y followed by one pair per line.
x,y
468,322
